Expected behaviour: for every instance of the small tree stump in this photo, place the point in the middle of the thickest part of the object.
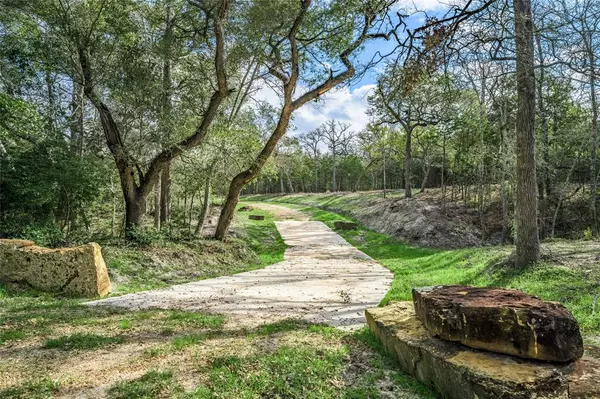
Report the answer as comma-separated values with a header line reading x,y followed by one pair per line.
x,y
246,208
342,225
256,217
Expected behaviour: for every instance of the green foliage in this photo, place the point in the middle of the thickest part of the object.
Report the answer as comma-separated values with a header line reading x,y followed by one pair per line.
x,y
43,185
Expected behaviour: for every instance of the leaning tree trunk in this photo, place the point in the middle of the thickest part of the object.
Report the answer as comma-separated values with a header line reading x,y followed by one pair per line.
x,y
243,178
528,245
408,164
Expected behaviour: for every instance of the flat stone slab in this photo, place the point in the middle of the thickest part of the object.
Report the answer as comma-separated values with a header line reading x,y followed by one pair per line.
x,y
343,225
78,271
500,320
458,372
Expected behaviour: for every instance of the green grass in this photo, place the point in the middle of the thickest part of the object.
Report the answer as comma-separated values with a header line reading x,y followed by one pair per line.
x,y
417,267
261,235
309,371
188,340
288,372
153,384
40,388
193,319
83,341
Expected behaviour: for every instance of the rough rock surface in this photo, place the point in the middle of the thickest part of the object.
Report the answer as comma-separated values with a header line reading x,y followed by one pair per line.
x,y
342,225
78,271
500,320
460,372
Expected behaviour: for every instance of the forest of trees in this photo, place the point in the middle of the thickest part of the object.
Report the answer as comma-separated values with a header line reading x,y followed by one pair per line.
x,y
120,115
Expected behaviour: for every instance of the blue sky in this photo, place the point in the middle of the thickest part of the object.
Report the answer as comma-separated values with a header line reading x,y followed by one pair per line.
x,y
349,104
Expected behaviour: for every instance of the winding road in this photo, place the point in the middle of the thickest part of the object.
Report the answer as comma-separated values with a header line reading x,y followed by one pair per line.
x,y
322,279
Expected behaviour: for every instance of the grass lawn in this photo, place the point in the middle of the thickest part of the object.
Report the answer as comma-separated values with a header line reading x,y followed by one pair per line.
x,y
53,347
555,278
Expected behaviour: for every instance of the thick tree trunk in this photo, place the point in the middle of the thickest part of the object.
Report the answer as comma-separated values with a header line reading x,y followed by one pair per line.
x,y
528,245
135,208
408,164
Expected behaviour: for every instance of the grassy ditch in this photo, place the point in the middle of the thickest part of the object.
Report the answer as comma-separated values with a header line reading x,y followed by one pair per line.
x,y
569,272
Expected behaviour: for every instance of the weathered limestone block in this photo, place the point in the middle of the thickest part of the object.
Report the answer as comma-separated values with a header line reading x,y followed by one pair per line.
x,y
343,225
458,372
500,320
78,271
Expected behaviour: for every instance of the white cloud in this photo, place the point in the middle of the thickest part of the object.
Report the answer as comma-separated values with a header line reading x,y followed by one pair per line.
x,y
422,5
341,104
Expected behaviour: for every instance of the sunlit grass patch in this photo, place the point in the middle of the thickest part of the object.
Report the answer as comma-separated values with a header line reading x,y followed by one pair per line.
x,y
187,340
13,334
194,319
40,388
288,372
261,235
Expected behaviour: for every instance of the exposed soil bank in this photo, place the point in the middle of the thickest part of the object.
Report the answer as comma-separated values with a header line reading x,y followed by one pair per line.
x,y
420,222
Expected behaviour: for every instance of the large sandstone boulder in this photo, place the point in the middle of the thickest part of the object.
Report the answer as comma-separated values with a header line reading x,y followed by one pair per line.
x,y
78,271
459,372
500,320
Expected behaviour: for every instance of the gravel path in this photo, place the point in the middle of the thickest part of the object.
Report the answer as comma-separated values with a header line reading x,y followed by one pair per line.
x,y
322,279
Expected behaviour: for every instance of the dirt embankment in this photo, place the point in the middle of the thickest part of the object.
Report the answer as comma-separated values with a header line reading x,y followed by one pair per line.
x,y
421,222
